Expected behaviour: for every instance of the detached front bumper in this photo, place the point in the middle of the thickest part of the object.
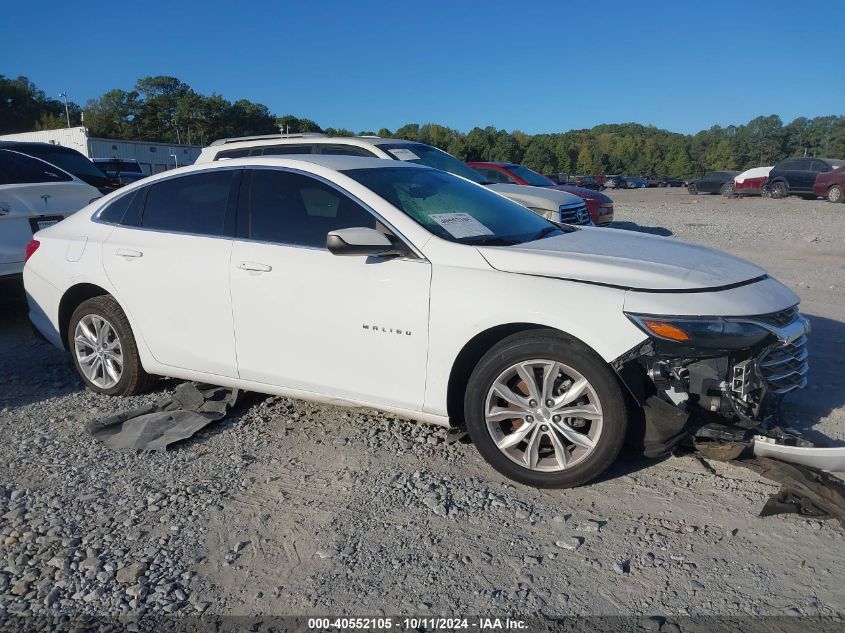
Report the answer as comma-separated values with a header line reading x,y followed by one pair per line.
x,y
681,389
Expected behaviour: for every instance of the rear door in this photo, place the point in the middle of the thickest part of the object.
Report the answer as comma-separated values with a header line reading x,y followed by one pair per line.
x,y
33,196
168,260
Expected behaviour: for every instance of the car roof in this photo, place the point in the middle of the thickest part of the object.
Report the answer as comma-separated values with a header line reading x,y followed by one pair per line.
x,y
302,139
336,163
22,146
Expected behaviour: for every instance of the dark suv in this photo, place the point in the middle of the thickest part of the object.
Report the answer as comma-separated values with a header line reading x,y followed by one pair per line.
x,y
797,175
712,182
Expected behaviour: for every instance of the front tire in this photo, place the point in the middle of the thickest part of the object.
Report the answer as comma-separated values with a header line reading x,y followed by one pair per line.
x,y
778,190
104,351
834,194
545,411
728,190
693,190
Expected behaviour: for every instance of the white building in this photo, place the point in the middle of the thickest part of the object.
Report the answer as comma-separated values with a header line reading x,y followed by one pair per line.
x,y
152,157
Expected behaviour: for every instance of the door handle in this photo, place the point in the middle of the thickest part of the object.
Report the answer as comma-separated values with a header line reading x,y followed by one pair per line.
x,y
128,253
255,267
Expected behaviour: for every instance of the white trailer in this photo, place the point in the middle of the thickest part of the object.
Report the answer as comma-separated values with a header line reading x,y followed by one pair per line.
x,y
152,157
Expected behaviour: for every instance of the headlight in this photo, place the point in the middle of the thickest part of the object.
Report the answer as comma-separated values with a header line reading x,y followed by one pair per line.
x,y
704,333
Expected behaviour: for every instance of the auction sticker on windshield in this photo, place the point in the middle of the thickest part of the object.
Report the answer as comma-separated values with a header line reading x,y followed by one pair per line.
x,y
403,154
460,224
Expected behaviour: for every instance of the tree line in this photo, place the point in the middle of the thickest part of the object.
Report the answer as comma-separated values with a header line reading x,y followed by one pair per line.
x,y
167,110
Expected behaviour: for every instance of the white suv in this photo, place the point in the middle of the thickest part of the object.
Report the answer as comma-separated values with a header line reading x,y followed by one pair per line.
x,y
558,206
398,287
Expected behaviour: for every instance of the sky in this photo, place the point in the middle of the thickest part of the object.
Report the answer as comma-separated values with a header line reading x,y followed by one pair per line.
x,y
363,65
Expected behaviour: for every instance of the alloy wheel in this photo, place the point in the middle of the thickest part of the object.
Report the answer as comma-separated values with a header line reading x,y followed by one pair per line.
x,y
98,351
543,415
834,194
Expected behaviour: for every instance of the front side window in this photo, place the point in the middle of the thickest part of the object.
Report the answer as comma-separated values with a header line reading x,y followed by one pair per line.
x,y
454,209
195,203
21,169
290,208
421,154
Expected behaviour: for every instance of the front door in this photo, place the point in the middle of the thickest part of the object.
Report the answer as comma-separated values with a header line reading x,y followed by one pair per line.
x,y
168,260
351,327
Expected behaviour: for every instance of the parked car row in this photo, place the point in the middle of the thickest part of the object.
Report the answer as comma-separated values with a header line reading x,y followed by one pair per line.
x,y
556,205
809,178
599,205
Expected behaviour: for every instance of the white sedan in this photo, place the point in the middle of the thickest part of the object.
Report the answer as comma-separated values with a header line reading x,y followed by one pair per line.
x,y
33,195
407,289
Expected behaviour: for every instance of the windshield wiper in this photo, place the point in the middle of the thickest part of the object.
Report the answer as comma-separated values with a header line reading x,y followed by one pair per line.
x,y
492,240
544,232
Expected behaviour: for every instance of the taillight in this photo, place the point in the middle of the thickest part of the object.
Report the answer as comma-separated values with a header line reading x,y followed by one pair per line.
x,y
30,249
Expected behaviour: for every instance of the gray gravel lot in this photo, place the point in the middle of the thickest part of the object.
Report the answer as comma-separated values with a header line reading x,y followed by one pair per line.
x,y
294,508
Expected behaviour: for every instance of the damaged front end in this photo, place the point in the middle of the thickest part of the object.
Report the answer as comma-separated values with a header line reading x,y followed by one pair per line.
x,y
697,371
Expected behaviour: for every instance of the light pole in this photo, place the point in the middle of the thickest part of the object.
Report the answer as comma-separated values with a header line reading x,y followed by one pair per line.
x,y
63,95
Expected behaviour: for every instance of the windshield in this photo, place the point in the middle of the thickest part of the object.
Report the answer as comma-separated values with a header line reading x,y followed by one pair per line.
x,y
429,156
530,176
454,209
72,162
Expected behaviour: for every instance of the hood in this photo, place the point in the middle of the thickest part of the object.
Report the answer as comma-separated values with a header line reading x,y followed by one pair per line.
x,y
583,192
535,197
622,258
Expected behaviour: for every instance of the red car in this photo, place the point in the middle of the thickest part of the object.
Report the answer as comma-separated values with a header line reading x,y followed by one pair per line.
x,y
599,205
749,183
831,185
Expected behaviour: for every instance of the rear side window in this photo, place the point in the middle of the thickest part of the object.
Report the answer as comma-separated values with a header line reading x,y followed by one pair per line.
x,y
196,203
20,169
232,153
345,150
281,150
293,209
116,211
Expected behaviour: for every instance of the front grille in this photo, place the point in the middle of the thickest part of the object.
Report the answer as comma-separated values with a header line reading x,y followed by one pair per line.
x,y
778,319
784,367
574,214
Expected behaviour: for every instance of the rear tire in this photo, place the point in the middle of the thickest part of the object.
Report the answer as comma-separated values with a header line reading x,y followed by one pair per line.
x,y
728,190
104,351
693,190
540,445
834,194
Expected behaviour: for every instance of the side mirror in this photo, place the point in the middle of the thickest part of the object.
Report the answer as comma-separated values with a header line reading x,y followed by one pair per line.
x,y
359,241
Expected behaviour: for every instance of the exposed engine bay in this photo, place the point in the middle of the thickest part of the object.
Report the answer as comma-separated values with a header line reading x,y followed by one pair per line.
x,y
716,372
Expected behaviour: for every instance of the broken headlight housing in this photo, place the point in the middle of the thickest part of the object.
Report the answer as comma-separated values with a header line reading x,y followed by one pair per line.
x,y
703,333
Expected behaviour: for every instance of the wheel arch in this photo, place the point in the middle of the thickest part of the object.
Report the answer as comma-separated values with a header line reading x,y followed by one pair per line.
x,y
472,352
71,300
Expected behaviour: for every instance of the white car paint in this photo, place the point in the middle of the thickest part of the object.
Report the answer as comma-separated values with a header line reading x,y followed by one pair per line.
x,y
549,203
21,205
304,323
594,255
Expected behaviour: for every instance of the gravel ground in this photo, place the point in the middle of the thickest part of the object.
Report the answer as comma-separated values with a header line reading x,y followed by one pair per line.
x,y
293,508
